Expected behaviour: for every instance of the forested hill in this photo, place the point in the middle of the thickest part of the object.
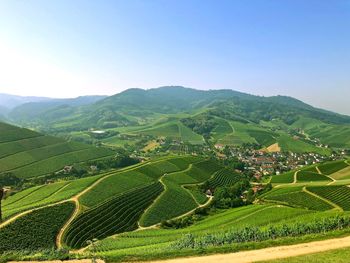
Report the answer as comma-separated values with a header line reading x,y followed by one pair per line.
x,y
137,106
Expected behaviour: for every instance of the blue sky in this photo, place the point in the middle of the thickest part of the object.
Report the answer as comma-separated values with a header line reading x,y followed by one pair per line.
x,y
64,48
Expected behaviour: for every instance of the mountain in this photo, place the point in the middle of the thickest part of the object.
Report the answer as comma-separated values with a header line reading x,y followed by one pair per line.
x,y
50,109
195,113
11,101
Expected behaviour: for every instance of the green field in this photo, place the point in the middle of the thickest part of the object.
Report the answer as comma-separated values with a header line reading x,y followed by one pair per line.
x,y
35,231
339,195
332,167
283,178
27,154
307,176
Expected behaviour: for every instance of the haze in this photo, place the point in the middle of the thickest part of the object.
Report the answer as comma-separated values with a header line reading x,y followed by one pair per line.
x,y
73,48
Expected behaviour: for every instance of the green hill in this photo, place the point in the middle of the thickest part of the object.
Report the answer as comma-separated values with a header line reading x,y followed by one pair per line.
x,y
28,154
188,114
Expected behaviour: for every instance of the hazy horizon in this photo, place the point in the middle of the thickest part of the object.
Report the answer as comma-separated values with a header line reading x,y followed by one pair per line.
x,y
69,49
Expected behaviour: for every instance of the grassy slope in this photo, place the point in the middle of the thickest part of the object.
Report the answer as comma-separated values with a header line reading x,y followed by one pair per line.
x,y
28,154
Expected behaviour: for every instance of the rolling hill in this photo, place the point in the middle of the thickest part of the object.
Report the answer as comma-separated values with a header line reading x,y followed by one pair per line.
x,y
221,116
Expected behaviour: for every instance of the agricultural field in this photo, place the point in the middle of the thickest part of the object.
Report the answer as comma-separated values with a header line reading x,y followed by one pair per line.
x,y
28,154
36,230
332,167
116,215
111,206
339,195
299,199
46,194
284,178
224,177
307,176
154,243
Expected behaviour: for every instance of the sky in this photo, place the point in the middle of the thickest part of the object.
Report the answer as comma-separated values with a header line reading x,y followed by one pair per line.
x,y
65,48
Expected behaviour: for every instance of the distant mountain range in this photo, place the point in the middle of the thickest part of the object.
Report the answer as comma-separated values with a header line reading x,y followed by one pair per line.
x,y
138,108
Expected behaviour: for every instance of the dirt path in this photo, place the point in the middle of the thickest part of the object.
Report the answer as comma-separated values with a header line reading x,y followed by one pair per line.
x,y
268,253
318,170
295,177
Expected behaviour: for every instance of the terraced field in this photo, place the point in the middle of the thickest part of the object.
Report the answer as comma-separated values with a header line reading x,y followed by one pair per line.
x,y
307,176
224,177
116,215
139,176
36,230
158,242
43,195
339,195
28,154
164,208
146,194
332,167
300,199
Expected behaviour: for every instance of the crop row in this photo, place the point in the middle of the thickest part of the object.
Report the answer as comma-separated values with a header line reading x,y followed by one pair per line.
x,y
117,215
332,167
339,195
57,162
46,194
300,199
224,177
174,202
137,177
27,144
24,158
36,230
254,234
307,176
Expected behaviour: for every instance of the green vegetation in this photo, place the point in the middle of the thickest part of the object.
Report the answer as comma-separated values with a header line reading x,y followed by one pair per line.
x,y
117,215
339,195
299,199
138,176
43,195
165,208
306,176
283,178
27,154
36,230
332,167
249,234
224,177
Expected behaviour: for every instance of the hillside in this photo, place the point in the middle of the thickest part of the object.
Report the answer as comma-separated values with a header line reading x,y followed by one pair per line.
x,y
226,117
28,154
311,204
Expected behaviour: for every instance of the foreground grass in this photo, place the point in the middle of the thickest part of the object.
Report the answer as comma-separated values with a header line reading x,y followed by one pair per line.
x,y
336,255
